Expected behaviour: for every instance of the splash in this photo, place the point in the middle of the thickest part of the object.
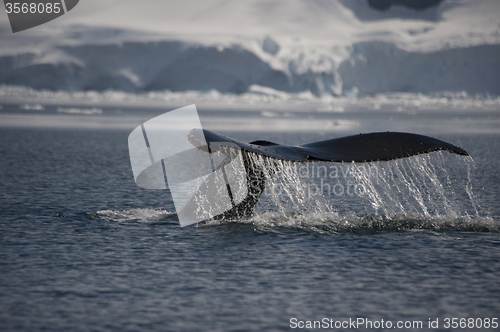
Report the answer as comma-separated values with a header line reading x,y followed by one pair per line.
x,y
429,191
333,223
135,215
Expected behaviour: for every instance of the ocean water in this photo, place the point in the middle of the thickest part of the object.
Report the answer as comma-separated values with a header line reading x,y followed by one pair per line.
x,y
82,248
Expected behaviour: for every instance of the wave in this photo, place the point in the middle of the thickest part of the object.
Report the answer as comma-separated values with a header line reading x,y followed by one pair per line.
x,y
135,215
329,223
321,223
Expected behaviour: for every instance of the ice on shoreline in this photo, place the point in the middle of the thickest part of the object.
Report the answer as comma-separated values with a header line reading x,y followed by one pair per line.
x,y
258,98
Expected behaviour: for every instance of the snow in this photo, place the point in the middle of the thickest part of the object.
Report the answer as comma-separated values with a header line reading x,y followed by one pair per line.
x,y
257,97
322,47
76,110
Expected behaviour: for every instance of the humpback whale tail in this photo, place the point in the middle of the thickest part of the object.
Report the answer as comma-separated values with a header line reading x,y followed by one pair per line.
x,y
212,176
370,147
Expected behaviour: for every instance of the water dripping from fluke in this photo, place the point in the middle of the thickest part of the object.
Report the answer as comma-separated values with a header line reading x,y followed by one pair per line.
x,y
424,192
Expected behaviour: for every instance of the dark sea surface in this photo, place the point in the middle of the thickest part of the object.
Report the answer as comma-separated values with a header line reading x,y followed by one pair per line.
x,y
82,248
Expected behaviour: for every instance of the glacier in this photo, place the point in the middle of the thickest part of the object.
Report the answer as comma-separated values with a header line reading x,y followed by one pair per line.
x,y
353,51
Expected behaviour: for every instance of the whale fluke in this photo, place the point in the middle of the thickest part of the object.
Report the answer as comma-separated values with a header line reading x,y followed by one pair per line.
x,y
382,146
357,148
212,176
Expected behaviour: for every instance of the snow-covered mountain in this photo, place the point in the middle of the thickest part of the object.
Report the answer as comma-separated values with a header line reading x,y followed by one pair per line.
x,y
328,47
